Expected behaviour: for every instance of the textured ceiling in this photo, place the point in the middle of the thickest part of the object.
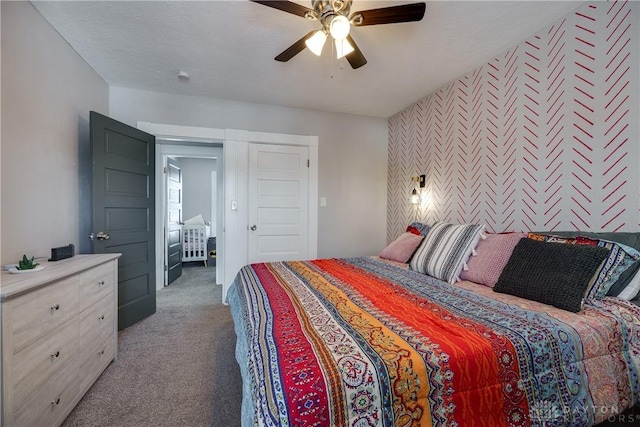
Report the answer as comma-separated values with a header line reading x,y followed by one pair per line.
x,y
227,47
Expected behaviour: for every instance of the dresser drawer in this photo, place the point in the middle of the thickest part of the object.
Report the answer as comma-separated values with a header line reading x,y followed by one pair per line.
x,y
41,311
94,358
97,338
40,361
96,283
97,319
53,401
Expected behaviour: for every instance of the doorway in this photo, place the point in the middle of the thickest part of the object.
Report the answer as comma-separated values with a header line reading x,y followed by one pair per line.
x,y
198,212
232,244
201,205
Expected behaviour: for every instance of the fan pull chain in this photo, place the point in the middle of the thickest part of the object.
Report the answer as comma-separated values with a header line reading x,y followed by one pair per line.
x,y
334,61
333,56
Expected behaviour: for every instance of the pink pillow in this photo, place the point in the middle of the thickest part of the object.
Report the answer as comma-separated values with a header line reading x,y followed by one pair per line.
x,y
402,248
492,255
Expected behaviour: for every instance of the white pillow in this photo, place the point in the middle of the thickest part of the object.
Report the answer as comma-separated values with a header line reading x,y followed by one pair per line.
x,y
196,220
445,250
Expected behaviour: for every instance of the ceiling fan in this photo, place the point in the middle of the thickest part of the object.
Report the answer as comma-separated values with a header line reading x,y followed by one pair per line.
x,y
336,20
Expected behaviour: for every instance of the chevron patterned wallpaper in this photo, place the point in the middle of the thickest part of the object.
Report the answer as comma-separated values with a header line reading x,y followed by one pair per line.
x,y
543,137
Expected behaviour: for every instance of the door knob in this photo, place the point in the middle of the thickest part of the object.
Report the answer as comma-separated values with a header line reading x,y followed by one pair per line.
x,y
102,236
254,227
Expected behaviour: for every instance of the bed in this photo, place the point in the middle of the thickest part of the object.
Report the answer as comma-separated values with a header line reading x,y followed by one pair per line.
x,y
368,341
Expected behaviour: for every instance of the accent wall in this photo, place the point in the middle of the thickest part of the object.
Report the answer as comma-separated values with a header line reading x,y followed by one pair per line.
x,y
542,137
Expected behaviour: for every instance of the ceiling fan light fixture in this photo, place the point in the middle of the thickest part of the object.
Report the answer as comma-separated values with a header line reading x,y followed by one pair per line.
x,y
315,43
336,19
343,48
339,27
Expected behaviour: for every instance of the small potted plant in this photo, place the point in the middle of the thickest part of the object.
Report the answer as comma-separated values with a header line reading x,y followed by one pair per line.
x,y
26,263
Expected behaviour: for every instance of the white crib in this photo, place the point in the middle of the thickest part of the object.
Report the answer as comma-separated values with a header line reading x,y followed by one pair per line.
x,y
194,242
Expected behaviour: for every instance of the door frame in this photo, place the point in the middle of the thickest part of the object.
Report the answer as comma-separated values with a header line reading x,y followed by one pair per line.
x,y
235,173
216,215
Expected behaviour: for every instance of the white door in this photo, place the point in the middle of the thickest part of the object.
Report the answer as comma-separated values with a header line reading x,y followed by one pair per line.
x,y
278,203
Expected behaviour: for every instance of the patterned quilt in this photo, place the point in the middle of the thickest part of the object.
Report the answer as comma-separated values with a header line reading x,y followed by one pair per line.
x,y
362,342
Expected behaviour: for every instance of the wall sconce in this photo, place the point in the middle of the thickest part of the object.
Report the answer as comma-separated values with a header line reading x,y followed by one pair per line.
x,y
415,199
421,180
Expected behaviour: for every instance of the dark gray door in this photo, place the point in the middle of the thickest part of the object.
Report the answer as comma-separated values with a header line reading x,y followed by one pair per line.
x,y
123,203
174,220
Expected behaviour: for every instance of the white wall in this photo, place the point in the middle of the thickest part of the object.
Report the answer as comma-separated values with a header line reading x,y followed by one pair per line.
x,y
352,156
196,187
47,93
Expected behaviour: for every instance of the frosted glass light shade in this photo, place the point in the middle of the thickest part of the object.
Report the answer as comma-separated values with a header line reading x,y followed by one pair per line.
x,y
339,27
315,43
415,198
343,48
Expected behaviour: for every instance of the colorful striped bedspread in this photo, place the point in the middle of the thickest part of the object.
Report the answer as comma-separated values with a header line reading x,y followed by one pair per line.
x,y
362,342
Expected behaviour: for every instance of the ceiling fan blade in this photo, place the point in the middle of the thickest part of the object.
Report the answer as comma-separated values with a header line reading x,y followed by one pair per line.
x,y
294,49
389,15
286,6
356,58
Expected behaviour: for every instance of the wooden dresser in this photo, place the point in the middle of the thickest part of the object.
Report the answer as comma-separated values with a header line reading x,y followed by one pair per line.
x,y
59,332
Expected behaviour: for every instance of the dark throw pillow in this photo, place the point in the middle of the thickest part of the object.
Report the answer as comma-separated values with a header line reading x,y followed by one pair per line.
x,y
551,273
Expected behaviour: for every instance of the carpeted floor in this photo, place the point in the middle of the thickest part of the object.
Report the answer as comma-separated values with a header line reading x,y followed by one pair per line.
x,y
174,368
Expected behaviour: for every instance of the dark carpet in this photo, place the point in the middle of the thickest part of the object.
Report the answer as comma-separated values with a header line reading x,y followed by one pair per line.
x,y
175,368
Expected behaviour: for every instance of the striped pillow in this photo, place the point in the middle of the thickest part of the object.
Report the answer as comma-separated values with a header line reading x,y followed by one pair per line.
x,y
445,249
620,258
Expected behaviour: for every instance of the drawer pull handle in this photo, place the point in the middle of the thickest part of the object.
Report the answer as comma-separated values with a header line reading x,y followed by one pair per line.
x,y
101,283
55,355
55,402
55,307
101,317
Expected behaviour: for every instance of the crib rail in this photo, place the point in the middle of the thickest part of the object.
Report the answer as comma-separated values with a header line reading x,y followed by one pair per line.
x,y
194,243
